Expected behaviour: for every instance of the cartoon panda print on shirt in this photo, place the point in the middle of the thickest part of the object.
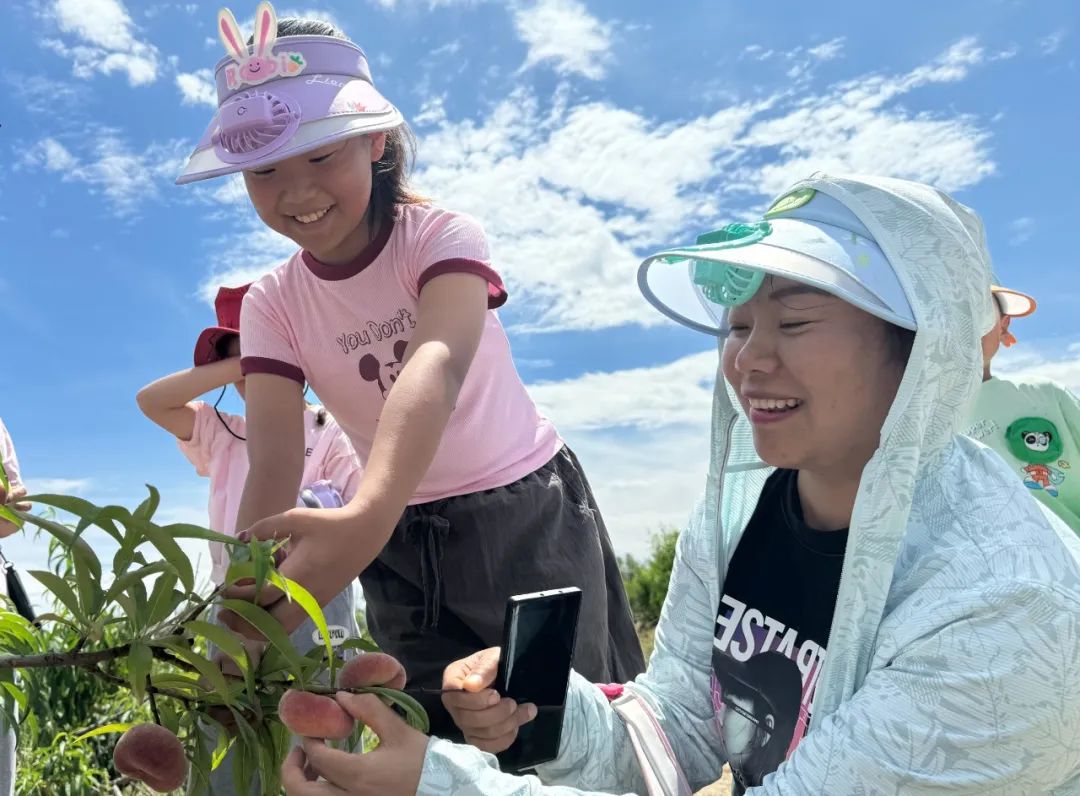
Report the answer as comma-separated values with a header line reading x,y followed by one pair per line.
x,y
384,373
1036,442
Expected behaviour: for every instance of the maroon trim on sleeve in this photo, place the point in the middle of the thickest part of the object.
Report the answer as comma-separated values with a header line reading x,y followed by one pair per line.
x,y
276,367
460,265
365,258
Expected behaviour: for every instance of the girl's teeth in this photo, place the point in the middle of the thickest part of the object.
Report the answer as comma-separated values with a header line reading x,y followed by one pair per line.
x,y
774,404
311,217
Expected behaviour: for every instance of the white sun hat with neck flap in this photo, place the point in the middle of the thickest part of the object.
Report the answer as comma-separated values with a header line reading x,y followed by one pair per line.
x,y
806,236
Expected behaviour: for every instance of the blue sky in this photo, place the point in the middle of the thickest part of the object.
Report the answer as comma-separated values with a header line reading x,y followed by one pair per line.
x,y
582,134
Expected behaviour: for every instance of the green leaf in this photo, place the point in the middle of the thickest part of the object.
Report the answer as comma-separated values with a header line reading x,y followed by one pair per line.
x,y
362,644
16,694
269,627
294,591
87,512
9,515
164,598
62,590
183,530
222,637
415,714
198,781
272,749
224,744
206,668
78,547
130,611
106,730
240,570
140,660
122,583
263,561
171,552
146,509
179,682
90,593
170,718
4,478
137,592
245,755
122,560
17,627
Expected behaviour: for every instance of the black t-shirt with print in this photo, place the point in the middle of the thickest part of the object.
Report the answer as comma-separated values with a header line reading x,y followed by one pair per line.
x,y
772,630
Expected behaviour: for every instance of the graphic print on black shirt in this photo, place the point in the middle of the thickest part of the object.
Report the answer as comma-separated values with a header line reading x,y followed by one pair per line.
x,y
772,630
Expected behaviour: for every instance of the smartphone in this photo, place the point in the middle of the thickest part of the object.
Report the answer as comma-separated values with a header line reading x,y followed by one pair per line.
x,y
539,634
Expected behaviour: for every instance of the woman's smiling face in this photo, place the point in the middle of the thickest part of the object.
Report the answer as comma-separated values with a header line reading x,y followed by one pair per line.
x,y
815,375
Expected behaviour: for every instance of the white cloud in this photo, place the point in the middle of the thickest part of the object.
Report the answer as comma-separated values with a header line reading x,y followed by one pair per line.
x,y
828,50
40,94
642,436
110,168
244,256
564,33
644,398
851,127
106,40
432,112
1030,361
603,184
802,60
1021,230
58,486
431,5
1052,43
51,155
197,88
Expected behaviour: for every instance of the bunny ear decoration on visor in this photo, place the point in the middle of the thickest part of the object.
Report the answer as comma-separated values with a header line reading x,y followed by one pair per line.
x,y
284,97
806,236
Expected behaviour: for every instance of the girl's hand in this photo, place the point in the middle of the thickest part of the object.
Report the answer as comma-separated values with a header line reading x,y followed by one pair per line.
x,y
393,769
490,723
14,500
322,555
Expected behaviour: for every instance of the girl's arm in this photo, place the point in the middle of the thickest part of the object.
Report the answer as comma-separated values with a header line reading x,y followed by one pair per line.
x,y
167,400
275,444
451,315
332,546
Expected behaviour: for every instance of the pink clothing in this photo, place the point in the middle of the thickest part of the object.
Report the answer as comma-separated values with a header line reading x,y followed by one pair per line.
x,y
11,467
7,456
222,458
345,329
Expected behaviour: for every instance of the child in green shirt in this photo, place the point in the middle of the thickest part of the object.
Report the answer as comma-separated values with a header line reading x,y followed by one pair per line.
x,y
1033,424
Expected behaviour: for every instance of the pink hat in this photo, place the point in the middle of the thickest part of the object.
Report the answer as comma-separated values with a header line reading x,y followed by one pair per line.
x,y
227,304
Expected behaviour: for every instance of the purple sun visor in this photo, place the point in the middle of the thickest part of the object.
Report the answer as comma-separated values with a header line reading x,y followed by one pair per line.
x,y
283,97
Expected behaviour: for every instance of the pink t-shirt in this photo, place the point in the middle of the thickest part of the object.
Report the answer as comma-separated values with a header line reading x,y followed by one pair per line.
x,y
222,458
7,456
345,328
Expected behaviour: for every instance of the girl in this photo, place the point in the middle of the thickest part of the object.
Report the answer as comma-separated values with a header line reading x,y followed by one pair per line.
x,y
469,495
214,442
930,606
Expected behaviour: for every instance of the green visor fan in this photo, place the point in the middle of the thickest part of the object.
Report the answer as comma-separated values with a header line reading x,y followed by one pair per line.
x,y
694,286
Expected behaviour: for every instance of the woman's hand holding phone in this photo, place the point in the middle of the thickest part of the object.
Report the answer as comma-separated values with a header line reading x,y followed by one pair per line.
x,y
490,722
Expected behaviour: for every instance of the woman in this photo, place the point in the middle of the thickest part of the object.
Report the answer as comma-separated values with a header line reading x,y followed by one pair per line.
x,y
932,608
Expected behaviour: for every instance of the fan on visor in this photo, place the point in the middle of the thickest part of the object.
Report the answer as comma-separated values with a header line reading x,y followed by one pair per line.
x,y
253,123
722,283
